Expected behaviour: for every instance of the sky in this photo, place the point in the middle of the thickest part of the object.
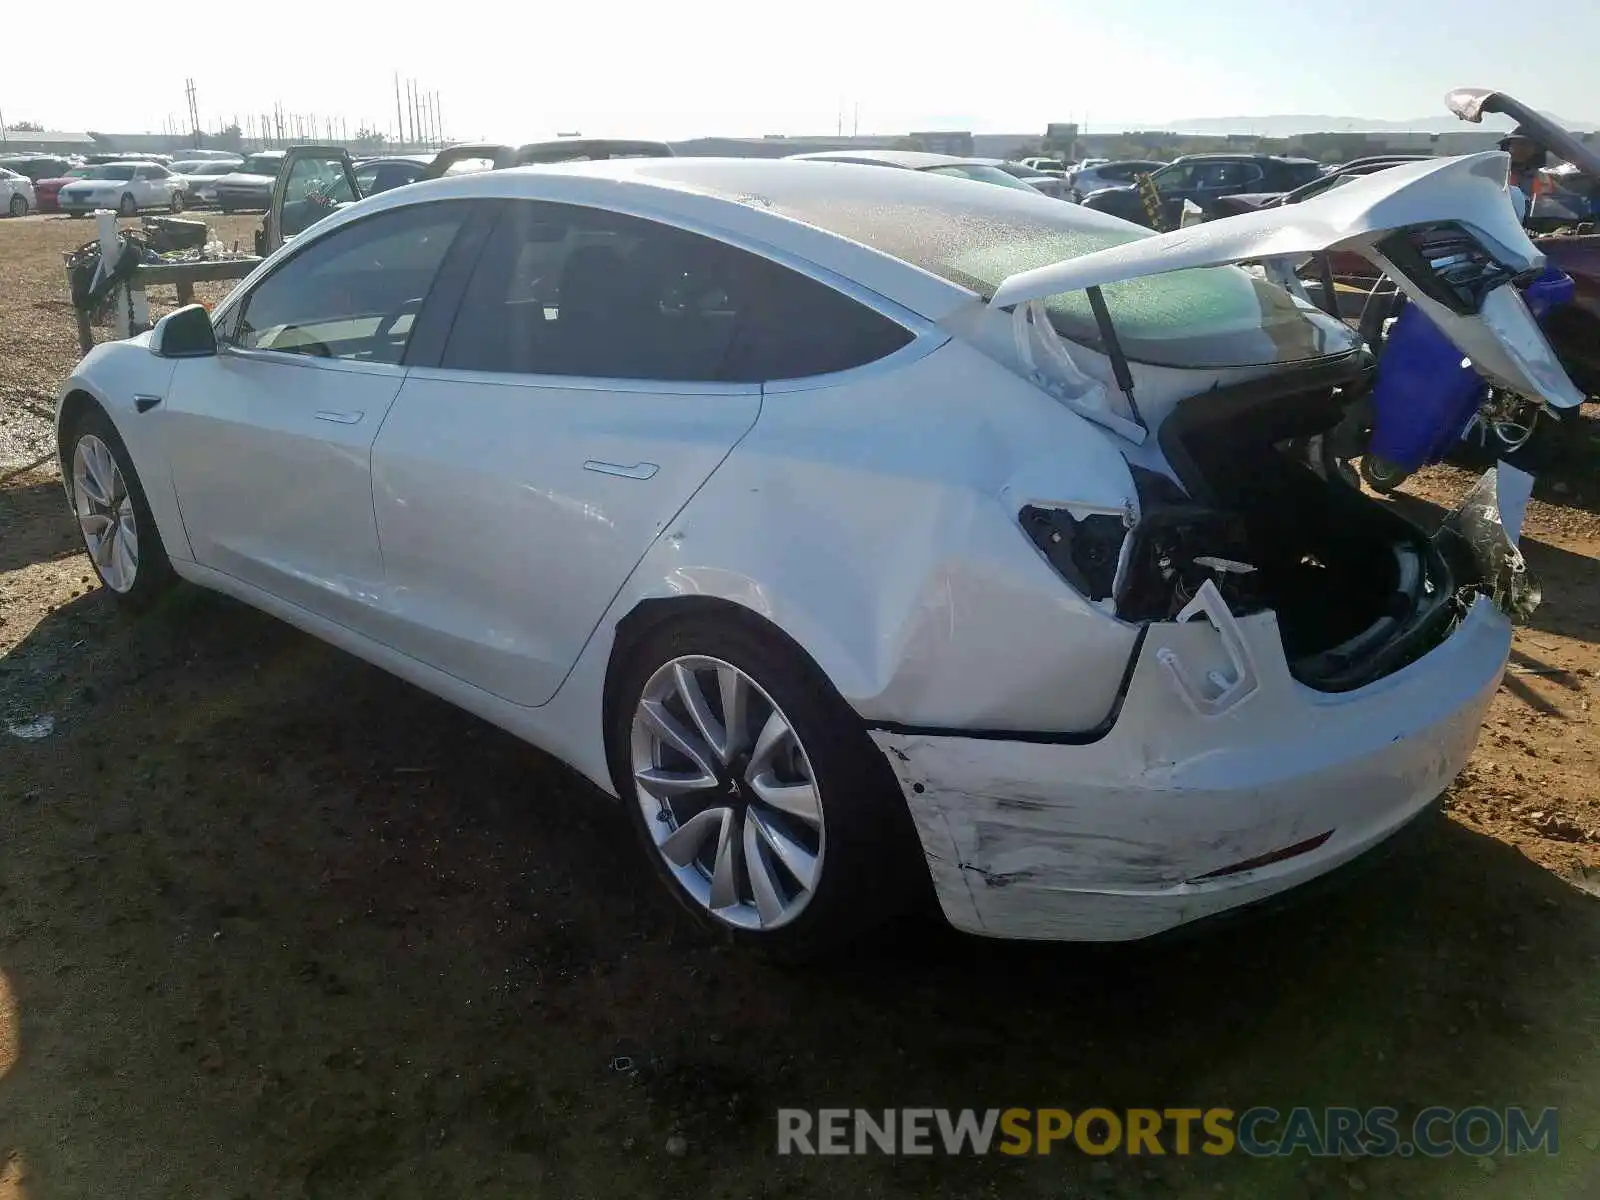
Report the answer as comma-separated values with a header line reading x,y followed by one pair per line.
x,y
517,72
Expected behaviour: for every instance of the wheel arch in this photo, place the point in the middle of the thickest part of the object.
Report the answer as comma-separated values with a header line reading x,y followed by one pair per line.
x,y
652,612
77,402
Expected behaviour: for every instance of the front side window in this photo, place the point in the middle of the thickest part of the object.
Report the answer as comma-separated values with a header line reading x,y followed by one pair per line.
x,y
562,290
355,293
1175,177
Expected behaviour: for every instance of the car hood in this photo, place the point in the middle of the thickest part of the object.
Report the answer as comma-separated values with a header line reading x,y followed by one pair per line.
x,y
97,183
240,179
57,181
1501,338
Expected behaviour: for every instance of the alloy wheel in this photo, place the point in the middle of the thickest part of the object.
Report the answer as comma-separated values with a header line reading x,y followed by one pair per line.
x,y
105,513
727,793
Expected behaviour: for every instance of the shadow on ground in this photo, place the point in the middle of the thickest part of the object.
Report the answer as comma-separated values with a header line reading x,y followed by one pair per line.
x,y
286,926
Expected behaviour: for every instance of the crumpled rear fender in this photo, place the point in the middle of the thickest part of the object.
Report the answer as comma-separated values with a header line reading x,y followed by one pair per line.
x,y
889,548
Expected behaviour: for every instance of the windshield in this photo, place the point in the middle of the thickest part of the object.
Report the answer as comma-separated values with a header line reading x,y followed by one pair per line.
x,y
109,173
260,165
1203,317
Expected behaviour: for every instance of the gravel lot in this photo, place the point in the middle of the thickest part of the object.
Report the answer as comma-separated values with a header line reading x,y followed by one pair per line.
x,y
273,924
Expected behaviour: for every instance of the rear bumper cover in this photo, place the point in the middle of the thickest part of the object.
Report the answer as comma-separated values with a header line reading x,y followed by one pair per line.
x,y
1113,840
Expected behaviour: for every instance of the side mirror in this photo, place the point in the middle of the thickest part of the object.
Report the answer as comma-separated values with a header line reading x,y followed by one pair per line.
x,y
186,333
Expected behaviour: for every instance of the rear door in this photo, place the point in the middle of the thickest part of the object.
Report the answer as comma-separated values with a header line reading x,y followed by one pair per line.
x,y
575,408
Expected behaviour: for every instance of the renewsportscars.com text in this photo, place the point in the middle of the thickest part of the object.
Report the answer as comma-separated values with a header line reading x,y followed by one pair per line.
x,y
1260,1132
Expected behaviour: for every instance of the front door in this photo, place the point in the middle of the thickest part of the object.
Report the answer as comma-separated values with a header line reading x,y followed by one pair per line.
x,y
270,441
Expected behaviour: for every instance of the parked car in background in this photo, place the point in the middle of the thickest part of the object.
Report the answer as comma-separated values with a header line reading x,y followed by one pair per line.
x,y
127,187
1040,181
467,158
117,156
1050,166
16,193
616,457
380,174
35,166
978,170
1083,180
46,190
1205,179
249,188
1226,206
200,179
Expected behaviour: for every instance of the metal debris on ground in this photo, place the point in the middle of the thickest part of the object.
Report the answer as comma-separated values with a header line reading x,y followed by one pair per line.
x,y
32,731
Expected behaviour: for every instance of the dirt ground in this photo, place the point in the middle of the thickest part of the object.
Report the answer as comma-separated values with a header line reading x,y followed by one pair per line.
x,y
273,924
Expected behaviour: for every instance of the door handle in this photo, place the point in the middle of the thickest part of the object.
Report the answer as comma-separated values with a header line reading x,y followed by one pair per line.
x,y
340,418
639,470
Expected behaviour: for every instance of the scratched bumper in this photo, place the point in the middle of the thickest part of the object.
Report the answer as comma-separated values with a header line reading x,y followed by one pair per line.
x,y
1113,840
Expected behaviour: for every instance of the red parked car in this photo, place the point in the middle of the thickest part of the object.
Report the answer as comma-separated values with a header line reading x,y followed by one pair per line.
x,y
46,191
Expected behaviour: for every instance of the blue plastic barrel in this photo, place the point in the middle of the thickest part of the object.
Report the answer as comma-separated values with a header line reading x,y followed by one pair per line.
x,y
1427,391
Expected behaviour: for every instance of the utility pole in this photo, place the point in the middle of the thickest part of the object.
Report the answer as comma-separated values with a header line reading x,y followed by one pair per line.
x,y
399,118
855,127
194,111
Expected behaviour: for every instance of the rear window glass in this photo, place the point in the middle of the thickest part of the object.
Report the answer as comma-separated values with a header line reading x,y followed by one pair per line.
x,y
1205,317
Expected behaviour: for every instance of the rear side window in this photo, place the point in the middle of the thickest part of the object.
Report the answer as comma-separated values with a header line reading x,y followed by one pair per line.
x,y
563,290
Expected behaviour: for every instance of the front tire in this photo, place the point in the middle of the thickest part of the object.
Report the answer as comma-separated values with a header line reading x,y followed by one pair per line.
x,y
128,206
177,202
119,533
759,799
19,206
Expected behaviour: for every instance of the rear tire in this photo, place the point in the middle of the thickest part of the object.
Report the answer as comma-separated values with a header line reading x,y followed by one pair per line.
x,y
119,533
1381,475
799,745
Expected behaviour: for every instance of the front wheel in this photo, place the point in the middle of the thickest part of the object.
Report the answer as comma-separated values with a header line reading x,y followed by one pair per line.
x,y
761,802
113,515
128,206
19,206
177,202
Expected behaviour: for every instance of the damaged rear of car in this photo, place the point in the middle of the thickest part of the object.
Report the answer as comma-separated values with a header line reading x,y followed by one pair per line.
x,y
1311,668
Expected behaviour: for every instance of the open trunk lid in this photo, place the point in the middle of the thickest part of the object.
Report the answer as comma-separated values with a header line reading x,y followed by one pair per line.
x,y
1389,218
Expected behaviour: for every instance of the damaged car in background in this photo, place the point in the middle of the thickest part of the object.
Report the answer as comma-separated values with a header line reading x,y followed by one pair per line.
x,y
1091,654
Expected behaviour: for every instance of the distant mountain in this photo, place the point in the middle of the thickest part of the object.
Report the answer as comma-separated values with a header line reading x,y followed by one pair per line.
x,y
1282,126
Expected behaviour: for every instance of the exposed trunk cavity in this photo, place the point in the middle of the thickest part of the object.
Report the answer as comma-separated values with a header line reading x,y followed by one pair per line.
x,y
1358,590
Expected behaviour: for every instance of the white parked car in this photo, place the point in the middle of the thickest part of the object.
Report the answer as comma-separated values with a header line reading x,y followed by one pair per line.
x,y
200,178
127,187
863,530
16,193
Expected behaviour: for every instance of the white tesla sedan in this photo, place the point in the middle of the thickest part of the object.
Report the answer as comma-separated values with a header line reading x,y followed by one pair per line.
x,y
860,529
